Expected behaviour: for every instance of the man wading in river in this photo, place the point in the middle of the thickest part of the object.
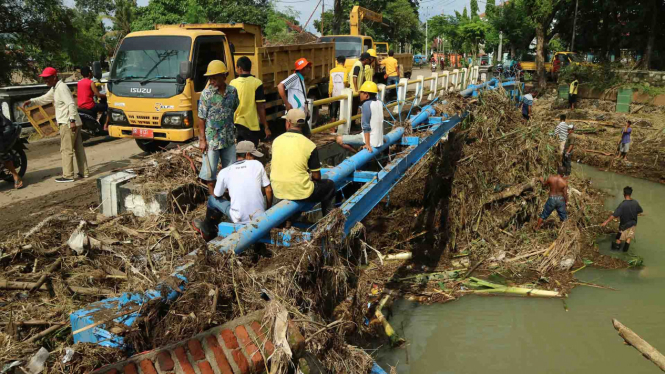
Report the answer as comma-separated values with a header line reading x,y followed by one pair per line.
x,y
627,213
558,196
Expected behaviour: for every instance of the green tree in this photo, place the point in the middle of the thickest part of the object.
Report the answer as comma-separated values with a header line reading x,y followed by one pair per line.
x,y
465,15
541,14
490,7
474,9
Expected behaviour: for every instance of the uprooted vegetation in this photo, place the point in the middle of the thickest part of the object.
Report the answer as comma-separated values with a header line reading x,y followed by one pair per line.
x,y
467,209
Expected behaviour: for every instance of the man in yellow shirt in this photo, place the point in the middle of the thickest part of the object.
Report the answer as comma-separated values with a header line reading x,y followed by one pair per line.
x,y
369,68
392,69
572,93
338,81
294,157
252,108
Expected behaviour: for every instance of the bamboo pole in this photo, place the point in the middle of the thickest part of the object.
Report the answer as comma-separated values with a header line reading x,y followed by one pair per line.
x,y
46,274
395,340
640,344
44,333
10,285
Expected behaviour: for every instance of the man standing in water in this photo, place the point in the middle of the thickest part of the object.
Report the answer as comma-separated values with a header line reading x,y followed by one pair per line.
x,y
627,213
558,196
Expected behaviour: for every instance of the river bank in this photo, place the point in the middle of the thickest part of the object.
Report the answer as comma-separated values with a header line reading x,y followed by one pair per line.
x,y
575,335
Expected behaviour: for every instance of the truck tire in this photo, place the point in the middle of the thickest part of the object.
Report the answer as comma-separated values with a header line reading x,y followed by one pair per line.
x,y
151,146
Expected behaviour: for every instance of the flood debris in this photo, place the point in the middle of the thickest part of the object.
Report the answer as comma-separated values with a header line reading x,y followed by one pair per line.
x,y
646,349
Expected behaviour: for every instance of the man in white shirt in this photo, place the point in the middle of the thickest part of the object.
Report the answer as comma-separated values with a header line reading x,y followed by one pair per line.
x,y
247,182
371,121
561,132
293,90
67,117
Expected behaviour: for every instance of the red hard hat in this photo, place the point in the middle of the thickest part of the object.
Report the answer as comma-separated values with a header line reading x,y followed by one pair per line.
x,y
301,63
49,71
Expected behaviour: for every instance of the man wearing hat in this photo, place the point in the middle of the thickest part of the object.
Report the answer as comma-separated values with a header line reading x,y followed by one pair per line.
x,y
294,157
217,108
357,72
371,122
369,69
247,182
293,90
69,122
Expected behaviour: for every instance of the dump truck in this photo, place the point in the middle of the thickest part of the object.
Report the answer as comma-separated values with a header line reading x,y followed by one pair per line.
x,y
351,46
157,77
559,60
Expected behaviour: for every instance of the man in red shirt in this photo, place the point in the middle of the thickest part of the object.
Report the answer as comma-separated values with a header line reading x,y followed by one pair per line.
x,y
85,94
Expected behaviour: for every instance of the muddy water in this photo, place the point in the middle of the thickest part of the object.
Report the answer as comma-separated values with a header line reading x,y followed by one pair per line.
x,y
519,335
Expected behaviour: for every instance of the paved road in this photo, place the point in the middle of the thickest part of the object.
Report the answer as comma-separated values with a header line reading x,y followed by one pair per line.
x,y
44,165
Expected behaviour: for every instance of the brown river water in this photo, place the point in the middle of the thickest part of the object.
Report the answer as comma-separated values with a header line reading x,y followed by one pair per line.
x,y
528,335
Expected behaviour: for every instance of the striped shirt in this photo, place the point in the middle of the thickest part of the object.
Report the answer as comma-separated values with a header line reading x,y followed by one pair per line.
x,y
562,131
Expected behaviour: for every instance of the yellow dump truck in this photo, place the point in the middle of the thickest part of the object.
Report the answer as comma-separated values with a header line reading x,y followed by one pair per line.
x,y
351,46
156,77
559,60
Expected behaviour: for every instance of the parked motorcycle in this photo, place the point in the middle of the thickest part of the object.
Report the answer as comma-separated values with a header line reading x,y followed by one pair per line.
x,y
12,144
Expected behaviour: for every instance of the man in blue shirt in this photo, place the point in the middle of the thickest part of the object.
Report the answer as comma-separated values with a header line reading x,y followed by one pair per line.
x,y
624,144
217,108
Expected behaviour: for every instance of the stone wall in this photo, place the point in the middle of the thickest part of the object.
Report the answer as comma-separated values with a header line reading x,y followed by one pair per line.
x,y
652,78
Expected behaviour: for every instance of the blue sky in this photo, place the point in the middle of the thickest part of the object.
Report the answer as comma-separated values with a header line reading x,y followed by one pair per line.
x,y
428,8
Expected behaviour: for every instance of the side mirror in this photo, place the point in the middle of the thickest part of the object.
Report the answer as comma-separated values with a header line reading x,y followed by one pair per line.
x,y
185,70
97,69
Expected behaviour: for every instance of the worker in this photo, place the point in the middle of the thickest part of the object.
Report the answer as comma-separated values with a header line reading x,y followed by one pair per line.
x,y
252,108
294,158
297,90
247,183
217,106
561,132
572,92
9,133
567,160
627,213
624,143
356,74
69,122
371,122
338,81
558,198
86,91
392,70
369,68
527,103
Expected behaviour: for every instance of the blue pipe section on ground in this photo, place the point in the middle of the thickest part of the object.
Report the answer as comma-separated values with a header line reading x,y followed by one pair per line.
x,y
261,226
426,112
469,90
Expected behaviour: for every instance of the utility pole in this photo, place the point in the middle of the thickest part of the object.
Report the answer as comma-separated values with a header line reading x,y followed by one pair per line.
x,y
323,11
426,37
500,56
572,43
337,16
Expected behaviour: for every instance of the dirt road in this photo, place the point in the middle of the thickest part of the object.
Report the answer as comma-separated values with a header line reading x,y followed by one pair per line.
x,y
42,196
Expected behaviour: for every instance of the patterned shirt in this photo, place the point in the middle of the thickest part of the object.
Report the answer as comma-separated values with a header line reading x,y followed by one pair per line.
x,y
218,111
562,131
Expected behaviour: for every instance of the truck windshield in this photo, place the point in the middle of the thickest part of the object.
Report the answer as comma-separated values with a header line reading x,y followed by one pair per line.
x,y
574,57
381,48
347,46
150,58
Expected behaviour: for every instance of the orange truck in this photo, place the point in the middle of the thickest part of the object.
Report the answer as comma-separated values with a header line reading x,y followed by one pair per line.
x,y
157,77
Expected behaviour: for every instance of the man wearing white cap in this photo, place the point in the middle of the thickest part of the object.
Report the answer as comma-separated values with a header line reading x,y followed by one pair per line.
x,y
67,117
247,182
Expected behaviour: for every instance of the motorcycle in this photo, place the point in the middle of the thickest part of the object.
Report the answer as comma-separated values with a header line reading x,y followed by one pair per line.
x,y
434,66
12,144
91,126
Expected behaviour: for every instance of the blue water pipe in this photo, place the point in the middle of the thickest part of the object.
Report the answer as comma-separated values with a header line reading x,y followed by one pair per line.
x,y
260,227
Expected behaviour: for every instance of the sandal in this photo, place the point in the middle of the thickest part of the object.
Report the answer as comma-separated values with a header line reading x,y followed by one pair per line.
x,y
18,184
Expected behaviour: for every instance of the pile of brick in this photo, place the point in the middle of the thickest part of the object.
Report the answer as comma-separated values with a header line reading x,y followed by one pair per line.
x,y
237,347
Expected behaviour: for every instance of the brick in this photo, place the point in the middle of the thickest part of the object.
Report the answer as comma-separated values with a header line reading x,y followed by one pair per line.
x,y
147,367
267,344
240,360
205,367
196,350
255,356
181,355
242,335
222,362
165,362
229,339
130,369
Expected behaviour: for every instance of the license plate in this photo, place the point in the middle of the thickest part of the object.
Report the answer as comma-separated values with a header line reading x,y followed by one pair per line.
x,y
142,133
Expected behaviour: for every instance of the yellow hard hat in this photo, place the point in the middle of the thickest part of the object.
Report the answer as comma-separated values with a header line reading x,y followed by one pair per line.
x,y
372,52
216,67
369,87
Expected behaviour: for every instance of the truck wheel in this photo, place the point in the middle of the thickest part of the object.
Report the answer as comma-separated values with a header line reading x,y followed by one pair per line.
x,y
151,146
